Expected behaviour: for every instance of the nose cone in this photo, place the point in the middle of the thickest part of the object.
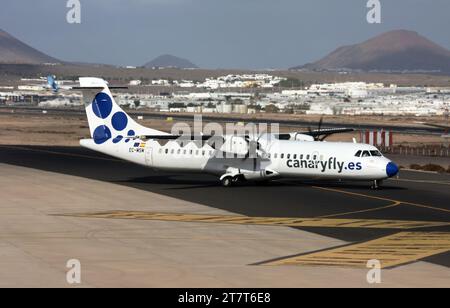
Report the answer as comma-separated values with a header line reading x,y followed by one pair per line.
x,y
391,169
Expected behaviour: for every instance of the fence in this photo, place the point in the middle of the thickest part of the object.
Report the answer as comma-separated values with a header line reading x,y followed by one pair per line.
x,y
425,150
377,138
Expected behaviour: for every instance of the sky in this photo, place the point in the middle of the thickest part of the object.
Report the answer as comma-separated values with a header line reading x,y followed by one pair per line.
x,y
247,34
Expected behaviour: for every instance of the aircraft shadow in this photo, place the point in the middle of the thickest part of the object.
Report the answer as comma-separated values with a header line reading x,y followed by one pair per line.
x,y
172,180
347,185
178,182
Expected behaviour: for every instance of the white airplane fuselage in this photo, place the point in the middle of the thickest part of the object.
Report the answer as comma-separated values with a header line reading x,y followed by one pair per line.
x,y
282,159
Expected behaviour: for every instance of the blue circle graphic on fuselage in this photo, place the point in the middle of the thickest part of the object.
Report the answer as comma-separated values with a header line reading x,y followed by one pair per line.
x,y
119,121
101,134
102,105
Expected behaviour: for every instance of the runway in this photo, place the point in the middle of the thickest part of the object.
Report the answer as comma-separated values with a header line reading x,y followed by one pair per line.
x,y
415,197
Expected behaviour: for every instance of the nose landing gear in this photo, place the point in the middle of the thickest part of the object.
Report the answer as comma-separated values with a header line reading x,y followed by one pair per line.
x,y
376,185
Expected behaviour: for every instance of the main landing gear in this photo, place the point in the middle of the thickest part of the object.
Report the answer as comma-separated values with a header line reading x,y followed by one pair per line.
x,y
228,181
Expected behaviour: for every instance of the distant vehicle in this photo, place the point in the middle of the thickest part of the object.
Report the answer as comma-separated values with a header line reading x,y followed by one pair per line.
x,y
239,158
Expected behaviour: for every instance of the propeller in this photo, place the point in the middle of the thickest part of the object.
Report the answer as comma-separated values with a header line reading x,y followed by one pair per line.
x,y
319,128
253,142
320,123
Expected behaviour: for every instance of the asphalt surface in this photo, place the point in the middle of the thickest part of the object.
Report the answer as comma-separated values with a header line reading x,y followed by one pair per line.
x,y
419,196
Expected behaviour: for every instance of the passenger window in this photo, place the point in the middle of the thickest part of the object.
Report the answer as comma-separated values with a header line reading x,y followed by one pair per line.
x,y
295,156
184,152
289,156
275,155
179,152
315,157
197,152
282,155
358,154
160,151
301,157
172,151
366,154
167,151
308,157
191,152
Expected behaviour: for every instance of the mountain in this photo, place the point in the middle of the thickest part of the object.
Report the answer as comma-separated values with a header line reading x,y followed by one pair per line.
x,y
166,61
16,52
398,50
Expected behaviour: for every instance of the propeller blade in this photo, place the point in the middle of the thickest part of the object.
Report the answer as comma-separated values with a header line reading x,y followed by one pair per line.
x,y
320,123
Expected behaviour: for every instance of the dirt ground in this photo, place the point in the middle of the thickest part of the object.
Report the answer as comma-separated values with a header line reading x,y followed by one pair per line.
x,y
67,131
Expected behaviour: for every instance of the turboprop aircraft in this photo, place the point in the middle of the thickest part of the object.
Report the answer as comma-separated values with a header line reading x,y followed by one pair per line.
x,y
233,158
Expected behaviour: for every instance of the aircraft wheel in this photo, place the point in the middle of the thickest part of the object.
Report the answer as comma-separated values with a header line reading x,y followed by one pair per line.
x,y
227,181
237,179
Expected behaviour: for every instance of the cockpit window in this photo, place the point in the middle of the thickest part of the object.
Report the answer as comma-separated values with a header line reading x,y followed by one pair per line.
x,y
358,154
376,153
365,154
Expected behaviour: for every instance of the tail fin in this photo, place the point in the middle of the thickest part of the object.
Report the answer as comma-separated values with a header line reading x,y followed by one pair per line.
x,y
51,81
107,121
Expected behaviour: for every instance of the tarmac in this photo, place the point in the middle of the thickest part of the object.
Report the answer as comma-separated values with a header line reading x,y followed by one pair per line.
x,y
130,226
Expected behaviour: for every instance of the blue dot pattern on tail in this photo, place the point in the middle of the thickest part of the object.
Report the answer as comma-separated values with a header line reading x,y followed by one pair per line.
x,y
102,134
102,105
119,121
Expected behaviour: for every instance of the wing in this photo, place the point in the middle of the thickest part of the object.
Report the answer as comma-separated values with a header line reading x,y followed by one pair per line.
x,y
329,132
319,134
437,125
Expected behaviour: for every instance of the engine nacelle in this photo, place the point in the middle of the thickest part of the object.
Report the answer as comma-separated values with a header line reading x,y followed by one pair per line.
x,y
301,137
259,175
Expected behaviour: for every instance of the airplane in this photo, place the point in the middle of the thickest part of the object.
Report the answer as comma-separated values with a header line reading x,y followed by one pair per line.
x,y
234,158
52,84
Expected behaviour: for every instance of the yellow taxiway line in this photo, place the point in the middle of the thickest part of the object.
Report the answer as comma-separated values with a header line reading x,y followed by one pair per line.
x,y
382,199
393,250
266,221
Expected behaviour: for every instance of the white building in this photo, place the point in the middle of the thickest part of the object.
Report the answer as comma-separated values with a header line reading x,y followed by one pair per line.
x,y
135,83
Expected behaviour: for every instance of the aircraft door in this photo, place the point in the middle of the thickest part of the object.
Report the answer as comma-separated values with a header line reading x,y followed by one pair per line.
x,y
148,155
